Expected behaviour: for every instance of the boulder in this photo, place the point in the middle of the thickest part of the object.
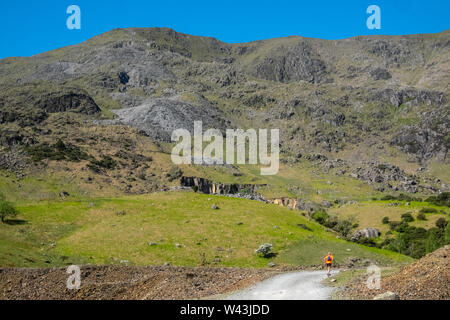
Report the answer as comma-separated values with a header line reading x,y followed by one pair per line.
x,y
366,233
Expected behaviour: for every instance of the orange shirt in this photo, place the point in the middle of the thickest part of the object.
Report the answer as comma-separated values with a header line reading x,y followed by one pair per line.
x,y
328,261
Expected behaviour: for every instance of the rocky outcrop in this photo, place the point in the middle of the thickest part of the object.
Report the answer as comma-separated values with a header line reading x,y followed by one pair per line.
x,y
366,233
158,118
296,204
210,187
409,96
380,74
427,139
290,203
294,63
383,174
77,101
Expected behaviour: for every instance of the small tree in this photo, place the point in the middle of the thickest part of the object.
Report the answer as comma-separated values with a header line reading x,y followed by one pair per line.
x,y
441,223
385,220
447,234
432,243
7,209
421,216
407,217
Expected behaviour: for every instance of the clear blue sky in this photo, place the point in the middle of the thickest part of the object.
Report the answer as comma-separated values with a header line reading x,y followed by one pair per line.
x,y
31,27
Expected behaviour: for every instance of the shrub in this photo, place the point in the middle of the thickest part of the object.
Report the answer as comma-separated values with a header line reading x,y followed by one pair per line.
x,y
174,173
369,242
413,233
106,163
417,249
344,227
320,216
7,209
421,216
442,199
441,223
399,244
58,151
447,234
331,222
400,197
394,224
407,217
428,210
385,220
433,241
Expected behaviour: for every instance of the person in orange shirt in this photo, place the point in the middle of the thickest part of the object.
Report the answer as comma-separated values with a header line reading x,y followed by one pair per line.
x,y
328,260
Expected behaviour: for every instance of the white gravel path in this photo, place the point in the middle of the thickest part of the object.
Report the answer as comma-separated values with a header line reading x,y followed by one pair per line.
x,y
302,285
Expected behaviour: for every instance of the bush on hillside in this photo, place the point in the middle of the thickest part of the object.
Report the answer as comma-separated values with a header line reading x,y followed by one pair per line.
x,y
106,162
401,197
421,216
441,223
428,210
385,220
7,209
344,227
434,240
58,151
369,242
442,199
447,234
320,216
407,217
174,173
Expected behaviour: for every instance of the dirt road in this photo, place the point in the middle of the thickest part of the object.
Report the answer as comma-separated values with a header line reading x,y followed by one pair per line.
x,y
302,285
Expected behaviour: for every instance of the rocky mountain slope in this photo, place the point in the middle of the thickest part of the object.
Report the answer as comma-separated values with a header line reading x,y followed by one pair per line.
x,y
362,101
426,279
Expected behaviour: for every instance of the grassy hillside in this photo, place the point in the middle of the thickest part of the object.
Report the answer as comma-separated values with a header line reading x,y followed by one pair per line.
x,y
371,213
108,231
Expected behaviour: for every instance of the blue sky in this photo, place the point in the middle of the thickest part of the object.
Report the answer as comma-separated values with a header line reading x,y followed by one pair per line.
x,y
31,27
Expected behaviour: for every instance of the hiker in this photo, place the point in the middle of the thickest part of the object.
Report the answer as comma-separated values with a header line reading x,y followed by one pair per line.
x,y
328,259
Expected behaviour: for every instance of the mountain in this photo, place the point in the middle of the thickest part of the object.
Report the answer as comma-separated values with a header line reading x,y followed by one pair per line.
x,y
372,108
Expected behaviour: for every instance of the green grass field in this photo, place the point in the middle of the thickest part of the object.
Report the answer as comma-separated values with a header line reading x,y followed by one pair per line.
x,y
108,231
371,213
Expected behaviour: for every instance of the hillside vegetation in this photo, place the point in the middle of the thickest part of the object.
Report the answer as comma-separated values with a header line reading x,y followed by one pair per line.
x,y
180,228
85,145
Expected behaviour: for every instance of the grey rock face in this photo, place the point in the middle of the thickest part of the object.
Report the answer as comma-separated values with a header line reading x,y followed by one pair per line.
x,y
160,117
427,139
380,74
366,233
75,100
210,187
383,173
411,96
265,249
298,62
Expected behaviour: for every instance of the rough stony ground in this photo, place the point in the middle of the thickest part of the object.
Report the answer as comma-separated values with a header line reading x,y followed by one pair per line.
x,y
426,279
124,282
